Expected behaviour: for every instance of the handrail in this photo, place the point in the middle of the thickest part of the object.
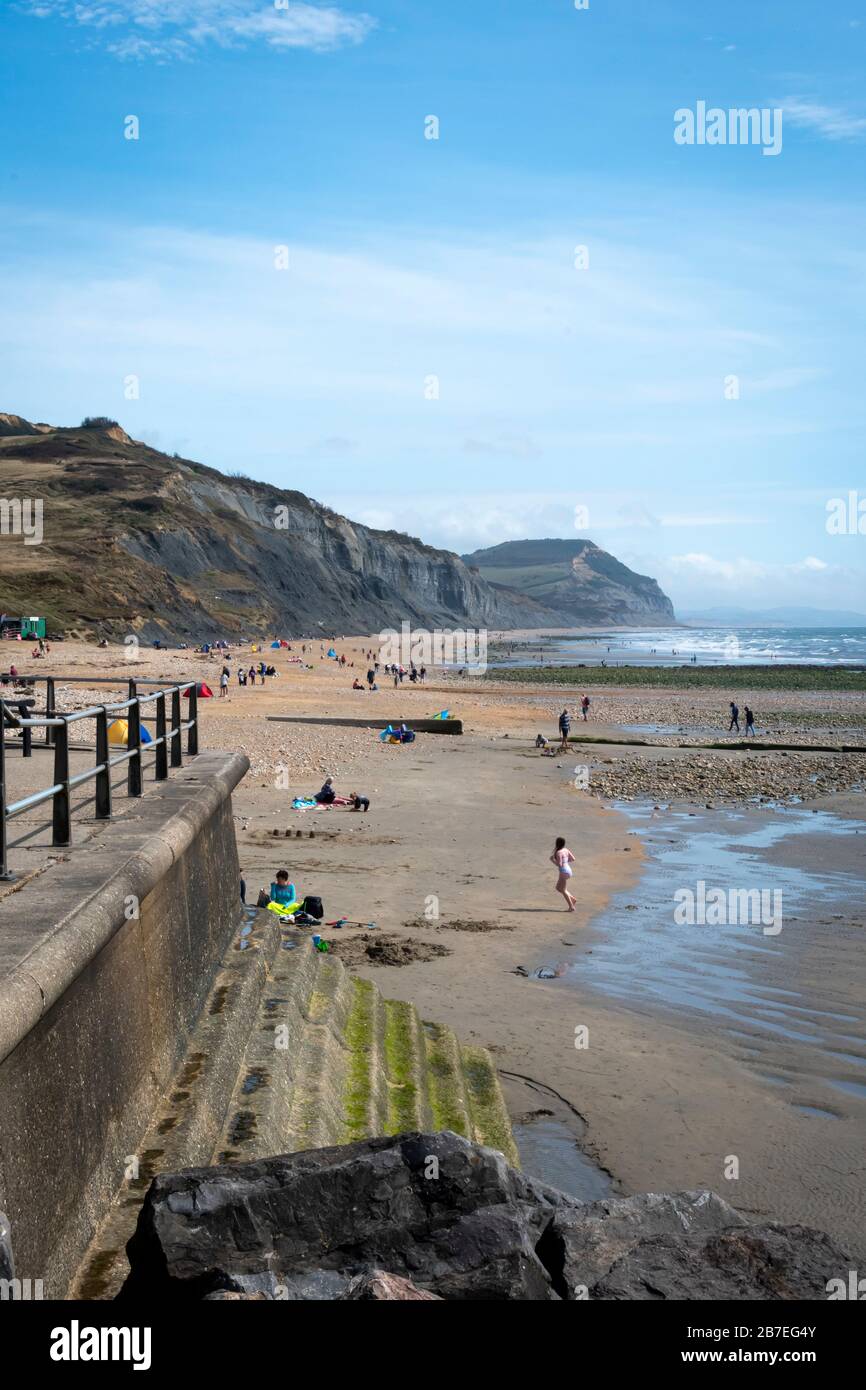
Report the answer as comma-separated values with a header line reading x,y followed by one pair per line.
x,y
166,746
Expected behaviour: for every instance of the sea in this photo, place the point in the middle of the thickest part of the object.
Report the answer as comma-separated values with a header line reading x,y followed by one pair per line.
x,y
702,646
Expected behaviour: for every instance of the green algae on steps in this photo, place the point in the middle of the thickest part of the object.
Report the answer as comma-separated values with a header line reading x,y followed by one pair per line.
x,y
361,1042
490,1122
402,1062
429,1078
447,1095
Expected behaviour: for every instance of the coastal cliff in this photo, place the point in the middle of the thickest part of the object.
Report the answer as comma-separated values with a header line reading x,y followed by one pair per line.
x,y
132,540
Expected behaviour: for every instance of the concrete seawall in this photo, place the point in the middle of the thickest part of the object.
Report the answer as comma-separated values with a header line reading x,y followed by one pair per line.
x,y
106,961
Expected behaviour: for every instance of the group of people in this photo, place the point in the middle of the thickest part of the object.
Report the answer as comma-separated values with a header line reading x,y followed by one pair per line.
x,y
565,720
735,719
245,676
328,797
372,672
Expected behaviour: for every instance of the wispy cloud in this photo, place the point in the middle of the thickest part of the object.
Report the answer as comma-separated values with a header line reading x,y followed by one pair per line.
x,y
164,29
831,122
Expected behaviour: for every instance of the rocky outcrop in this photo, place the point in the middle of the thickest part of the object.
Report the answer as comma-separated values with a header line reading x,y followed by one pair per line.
x,y
451,1217
583,584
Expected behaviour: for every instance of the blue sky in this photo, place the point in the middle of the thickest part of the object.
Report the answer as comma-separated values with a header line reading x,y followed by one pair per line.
x,y
605,387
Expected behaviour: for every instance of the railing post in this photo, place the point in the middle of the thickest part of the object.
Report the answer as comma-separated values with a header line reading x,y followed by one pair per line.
x,y
60,829
133,745
192,732
5,875
26,737
50,706
103,778
176,744
161,753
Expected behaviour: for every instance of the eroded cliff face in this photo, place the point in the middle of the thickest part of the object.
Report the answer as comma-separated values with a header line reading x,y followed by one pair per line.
x,y
581,582
165,547
135,541
284,563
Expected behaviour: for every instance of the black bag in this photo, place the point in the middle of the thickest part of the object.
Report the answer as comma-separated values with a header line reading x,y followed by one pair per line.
x,y
313,906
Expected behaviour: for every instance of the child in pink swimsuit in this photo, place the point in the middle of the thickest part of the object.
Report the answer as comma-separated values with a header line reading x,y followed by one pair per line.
x,y
563,859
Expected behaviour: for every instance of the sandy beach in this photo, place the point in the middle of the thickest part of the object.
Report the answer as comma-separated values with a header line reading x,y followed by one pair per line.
x,y
663,1053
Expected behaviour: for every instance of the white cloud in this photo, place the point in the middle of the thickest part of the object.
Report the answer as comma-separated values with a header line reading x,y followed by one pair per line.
x,y
832,122
740,572
165,29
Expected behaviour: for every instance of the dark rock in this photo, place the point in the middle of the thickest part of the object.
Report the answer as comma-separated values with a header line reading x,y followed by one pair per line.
x,y
688,1245
231,1295
433,1215
471,1229
379,1287
7,1263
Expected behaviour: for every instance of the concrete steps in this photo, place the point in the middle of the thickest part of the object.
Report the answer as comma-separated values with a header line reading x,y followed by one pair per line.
x,y
292,1052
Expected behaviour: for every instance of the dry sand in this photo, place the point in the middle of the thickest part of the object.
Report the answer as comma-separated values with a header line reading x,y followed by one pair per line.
x,y
464,827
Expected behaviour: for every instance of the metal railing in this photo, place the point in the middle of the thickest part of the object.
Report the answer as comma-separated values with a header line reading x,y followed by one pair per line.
x,y
165,744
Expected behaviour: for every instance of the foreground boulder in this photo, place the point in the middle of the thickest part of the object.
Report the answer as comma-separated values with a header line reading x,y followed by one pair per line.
x,y
681,1246
423,1215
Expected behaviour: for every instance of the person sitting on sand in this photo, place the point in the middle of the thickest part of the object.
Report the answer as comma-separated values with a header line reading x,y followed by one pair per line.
x,y
359,803
282,891
327,795
563,859
540,741
356,684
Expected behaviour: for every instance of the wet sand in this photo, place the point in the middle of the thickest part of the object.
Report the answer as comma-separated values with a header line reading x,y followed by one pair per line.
x,y
669,1087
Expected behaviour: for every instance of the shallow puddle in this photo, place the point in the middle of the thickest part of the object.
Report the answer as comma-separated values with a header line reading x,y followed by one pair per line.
x,y
548,1135
549,1152
787,978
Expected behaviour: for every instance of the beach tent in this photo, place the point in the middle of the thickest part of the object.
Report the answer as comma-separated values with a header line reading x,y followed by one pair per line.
x,y
118,733
276,644
332,653
200,689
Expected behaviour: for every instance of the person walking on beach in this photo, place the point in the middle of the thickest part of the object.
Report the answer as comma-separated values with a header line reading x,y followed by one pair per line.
x,y
224,683
584,707
564,726
750,722
563,859
735,718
